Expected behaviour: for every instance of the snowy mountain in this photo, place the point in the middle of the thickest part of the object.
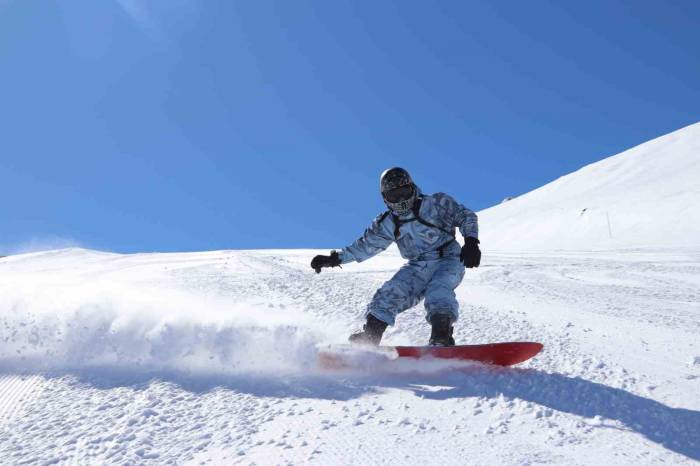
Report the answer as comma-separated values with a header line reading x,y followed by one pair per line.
x,y
211,358
647,196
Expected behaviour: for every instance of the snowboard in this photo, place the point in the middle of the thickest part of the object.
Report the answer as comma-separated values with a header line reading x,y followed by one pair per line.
x,y
499,354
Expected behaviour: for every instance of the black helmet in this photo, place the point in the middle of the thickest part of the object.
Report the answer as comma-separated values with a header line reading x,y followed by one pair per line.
x,y
398,190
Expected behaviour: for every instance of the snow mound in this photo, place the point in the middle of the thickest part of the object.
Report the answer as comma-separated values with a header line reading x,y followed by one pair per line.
x,y
646,196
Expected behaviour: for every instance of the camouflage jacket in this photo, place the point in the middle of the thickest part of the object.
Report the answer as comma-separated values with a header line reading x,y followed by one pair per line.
x,y
416,241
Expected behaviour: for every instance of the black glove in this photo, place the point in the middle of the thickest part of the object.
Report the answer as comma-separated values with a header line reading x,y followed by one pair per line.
x,y
319,262
470,255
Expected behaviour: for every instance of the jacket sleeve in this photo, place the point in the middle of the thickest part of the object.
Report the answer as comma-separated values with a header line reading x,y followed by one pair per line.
x,y
456,215
376,238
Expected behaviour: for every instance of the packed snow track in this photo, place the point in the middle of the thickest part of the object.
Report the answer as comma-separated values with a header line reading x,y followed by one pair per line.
x,y
210,358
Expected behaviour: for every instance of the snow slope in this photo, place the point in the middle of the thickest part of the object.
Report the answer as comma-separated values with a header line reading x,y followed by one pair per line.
x,y
647,196
210,358
189,358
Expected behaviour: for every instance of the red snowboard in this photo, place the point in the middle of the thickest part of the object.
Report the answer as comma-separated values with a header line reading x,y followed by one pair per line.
x,y
500,354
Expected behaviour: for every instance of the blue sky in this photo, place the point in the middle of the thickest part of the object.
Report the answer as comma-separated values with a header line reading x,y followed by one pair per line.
x,y
176,125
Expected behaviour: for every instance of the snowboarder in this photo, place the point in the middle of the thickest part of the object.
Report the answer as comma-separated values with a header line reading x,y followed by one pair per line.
x,y
423,226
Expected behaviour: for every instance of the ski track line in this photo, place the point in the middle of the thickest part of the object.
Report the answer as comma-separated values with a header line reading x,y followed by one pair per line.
x,y
17,392
608,287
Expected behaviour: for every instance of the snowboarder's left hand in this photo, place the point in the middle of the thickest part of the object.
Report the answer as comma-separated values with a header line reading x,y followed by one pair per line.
x,y
470,255
320,261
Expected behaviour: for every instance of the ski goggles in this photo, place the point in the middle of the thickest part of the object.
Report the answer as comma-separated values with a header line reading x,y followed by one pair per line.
x,y
400,194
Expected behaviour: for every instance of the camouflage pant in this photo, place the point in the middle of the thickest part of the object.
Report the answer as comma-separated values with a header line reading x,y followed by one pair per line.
x,y
434,280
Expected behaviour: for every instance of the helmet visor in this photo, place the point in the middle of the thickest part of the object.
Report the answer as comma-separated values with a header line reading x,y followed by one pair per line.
x,y
400,194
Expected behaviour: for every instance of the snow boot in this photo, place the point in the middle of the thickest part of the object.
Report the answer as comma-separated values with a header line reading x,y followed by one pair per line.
x,y
371,334
441,335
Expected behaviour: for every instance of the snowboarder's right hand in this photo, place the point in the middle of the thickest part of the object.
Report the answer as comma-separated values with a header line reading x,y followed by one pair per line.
x,y
320,261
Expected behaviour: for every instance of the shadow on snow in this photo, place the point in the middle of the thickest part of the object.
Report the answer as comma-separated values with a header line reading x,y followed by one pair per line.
x,y
676,429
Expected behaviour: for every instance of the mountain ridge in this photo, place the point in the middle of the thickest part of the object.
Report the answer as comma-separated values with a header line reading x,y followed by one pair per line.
x,y
641,197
